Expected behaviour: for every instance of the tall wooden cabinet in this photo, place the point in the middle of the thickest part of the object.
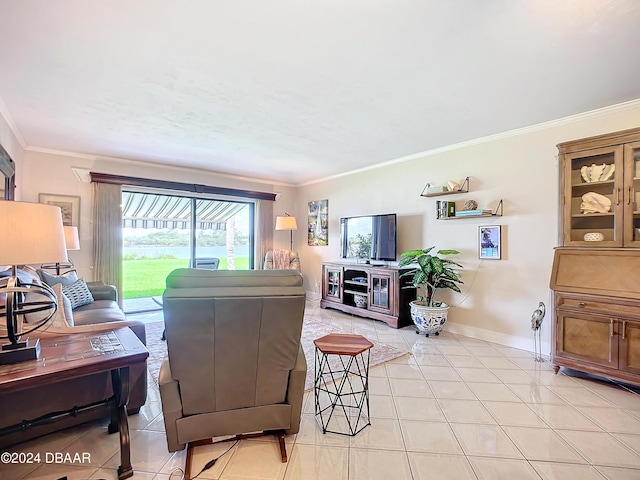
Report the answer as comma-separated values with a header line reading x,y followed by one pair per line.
x,y
367,291
596,273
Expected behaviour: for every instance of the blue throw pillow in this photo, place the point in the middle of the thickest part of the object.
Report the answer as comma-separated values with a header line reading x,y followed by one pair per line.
x,y
65,279
78,293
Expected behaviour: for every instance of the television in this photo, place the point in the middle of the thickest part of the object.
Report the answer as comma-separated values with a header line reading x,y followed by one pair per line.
x,y
370,237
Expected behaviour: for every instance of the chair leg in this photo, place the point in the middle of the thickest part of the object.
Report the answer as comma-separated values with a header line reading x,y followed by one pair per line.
x,y
190,447
283,447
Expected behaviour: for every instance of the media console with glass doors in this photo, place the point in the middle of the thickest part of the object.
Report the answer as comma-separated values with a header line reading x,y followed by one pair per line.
x,y
368,291
596,271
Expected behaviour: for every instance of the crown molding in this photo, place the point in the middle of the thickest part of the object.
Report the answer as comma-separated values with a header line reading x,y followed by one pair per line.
x,y
52,151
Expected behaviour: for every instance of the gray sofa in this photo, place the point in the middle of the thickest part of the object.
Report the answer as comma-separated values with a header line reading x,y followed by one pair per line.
x,y
235,363
102,314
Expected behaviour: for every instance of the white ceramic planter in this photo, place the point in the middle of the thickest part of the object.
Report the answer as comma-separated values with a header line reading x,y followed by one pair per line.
x,y
428,320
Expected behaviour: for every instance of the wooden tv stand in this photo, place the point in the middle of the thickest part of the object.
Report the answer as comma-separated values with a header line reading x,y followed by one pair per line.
x,y
367,291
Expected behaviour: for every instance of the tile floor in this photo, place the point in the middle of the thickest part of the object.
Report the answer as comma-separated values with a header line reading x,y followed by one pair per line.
x,y
457,408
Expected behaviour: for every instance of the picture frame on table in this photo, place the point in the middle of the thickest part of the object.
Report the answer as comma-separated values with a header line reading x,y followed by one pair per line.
x,y
490,242
69,204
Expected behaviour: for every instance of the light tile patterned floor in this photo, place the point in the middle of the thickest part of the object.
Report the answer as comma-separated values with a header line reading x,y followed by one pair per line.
x,y
457,408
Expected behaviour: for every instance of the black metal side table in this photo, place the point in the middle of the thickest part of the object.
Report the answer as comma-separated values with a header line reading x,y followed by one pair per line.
x,y
341,389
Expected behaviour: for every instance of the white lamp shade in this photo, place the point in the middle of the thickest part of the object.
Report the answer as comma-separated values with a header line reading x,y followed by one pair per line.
x,y
71,238
286,223
32,233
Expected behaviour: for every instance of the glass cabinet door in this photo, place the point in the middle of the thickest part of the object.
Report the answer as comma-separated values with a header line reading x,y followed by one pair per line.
x,y
594,198
333,284
379,298
632,195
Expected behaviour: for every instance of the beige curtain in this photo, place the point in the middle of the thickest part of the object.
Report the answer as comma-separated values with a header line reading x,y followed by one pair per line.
x,y
264,242
107,235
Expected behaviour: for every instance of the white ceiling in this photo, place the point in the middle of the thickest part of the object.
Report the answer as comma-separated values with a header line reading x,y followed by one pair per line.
x,y
296,90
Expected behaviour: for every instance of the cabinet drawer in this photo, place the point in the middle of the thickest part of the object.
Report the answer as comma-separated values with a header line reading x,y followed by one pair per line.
x,y
599,306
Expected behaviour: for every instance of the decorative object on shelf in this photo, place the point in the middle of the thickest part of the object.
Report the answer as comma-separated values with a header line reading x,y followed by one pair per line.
x,y
70,206
287,222
593,202
536,323
490,242
318,233
473,213
360,300
436,189
431,190
593,237
597,173
445,209
470,205
35,236
432,273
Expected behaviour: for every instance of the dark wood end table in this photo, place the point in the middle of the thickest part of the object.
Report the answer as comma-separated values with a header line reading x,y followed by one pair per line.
x,y
66,357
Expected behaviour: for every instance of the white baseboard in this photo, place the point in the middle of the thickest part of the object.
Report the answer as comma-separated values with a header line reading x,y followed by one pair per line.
x,y
496,337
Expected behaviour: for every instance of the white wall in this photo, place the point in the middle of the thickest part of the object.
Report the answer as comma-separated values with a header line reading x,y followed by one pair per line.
x,y
52,173
521,168
10,143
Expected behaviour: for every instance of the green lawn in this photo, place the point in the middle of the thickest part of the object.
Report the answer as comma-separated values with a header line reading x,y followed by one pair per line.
x,y
145,278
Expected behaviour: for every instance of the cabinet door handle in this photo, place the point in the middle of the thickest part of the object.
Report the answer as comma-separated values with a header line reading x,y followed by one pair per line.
x,y
624,328
629,196
582,304
617,196
611,328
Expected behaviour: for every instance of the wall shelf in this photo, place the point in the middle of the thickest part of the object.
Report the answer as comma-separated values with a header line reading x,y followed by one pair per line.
x,y
497,213
464,188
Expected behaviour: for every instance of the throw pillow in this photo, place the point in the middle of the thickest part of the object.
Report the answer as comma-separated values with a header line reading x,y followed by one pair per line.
x,y
66,278
78,293
64,303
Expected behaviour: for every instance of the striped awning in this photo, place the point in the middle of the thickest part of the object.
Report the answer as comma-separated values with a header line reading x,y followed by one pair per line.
x,y
147,210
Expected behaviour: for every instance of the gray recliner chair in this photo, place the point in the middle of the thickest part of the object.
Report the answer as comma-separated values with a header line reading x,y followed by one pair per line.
x,y
235,364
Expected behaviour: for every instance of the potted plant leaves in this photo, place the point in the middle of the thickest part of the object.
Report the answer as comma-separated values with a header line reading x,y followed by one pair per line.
x,y
432,272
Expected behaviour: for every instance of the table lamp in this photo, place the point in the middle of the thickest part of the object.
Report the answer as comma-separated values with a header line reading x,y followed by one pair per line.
x,y
72,242
33,234
287,222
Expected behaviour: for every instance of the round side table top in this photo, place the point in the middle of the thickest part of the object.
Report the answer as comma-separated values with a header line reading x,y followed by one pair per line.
x,y
342,344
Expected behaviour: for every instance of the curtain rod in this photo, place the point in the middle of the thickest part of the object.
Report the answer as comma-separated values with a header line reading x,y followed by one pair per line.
x,y
185,187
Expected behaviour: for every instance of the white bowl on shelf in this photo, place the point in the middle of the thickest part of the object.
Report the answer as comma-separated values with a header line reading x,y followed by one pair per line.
x,y
593,237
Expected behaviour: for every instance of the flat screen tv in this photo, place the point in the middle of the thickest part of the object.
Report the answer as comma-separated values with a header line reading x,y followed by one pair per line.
x,y
370,237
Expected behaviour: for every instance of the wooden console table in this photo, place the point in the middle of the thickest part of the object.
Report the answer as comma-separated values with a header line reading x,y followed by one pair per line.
x,y
73,356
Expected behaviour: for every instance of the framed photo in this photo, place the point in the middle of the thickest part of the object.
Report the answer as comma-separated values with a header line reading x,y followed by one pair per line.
x,y
490,242
70,206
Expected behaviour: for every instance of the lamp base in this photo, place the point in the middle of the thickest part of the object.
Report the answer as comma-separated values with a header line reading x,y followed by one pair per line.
x,y
20,352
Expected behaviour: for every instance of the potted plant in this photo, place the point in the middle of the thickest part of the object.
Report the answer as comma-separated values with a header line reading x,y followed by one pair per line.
x,y
432,273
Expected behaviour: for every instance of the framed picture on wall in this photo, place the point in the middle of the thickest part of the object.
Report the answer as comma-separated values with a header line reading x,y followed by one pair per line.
x,y
318,223
70,206
490,242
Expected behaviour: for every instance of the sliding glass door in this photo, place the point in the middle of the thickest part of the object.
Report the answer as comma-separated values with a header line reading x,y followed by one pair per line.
x,y
163,232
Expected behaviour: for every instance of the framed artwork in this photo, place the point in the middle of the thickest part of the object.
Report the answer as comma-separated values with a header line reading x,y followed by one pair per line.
x,y
318,225
490,242
70,206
